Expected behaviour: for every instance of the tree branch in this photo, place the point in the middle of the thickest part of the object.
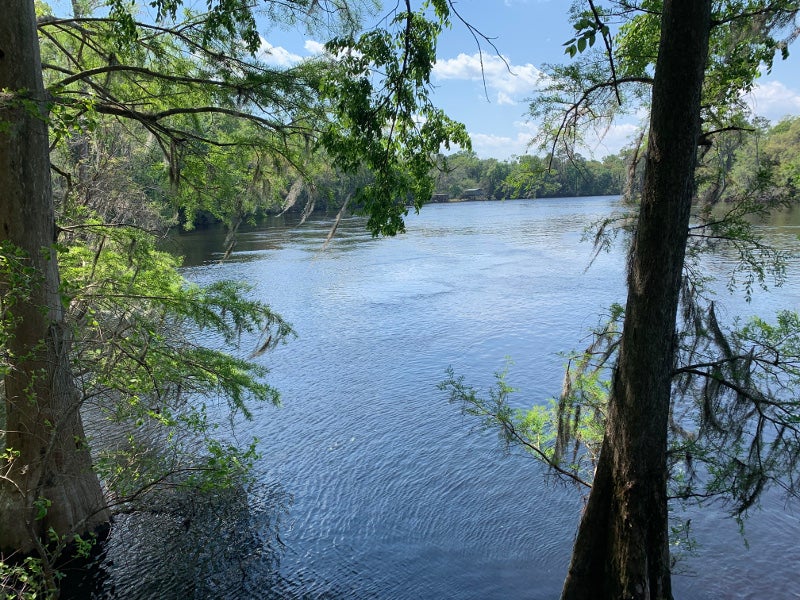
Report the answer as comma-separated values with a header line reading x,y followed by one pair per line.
x,y
609,52
509,428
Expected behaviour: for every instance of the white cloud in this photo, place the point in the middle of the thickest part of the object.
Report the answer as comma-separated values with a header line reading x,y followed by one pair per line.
x,y
501,147
774,100
503,98
513,81
275,55
281,57
598,143
315,47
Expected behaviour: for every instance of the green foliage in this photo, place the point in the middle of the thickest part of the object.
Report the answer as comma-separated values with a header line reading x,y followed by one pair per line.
x,y
730,229
530,176
746,37
738,385
140,373
603,83
779,159
225,465
18,279
587,26
636,43
209,128
735,418
175,119
682,542
32,578
741,182
24,581
378,89
234,132
565,434
134,319
180,119
734,426
41,505
733,414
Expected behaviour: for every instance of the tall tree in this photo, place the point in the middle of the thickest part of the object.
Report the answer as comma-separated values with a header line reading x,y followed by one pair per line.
x,y
47,479
622,547
661,361
623,536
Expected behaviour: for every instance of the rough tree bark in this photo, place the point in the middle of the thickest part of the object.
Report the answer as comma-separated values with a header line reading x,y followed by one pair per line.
x,y
43,422
622,549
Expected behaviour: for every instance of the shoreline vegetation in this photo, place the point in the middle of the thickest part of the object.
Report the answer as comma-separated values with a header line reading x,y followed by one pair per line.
x,y
768,153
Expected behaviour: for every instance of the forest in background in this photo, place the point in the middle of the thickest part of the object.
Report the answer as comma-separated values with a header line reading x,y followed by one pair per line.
x,y
759,151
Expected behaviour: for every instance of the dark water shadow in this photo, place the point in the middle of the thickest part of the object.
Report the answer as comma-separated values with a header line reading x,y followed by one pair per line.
x,y
221,544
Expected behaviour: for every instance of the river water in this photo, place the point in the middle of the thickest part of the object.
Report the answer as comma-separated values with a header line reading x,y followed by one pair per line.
x,y
389,492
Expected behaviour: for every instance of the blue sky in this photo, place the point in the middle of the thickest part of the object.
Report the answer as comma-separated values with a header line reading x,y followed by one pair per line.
x,y
528,33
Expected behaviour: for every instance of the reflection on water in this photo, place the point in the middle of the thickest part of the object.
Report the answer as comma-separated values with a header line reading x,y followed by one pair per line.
x,y
274,233
395,495
179,544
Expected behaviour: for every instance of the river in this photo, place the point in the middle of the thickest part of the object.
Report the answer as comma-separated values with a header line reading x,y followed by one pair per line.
x,y
389,492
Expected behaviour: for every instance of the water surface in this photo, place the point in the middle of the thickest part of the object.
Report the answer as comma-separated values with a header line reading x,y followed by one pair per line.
x,y
394,493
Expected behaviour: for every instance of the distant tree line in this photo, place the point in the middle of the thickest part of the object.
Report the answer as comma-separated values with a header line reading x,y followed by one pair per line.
x,y
531,176
756,154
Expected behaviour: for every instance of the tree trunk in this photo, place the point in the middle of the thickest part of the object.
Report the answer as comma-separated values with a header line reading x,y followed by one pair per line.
x,y
622,546
42,420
